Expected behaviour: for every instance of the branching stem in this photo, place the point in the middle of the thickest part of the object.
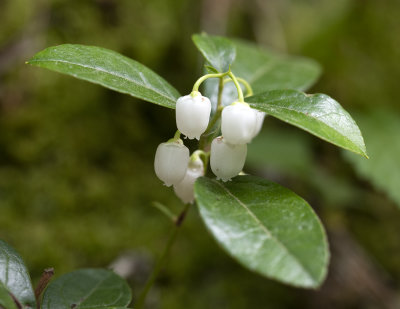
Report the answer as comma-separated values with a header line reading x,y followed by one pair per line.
x,y
161,261
249,90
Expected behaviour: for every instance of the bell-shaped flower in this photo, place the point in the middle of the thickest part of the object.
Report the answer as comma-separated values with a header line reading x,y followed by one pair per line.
x,y
193,115
171,161
238,123
227,160
185,189
259,122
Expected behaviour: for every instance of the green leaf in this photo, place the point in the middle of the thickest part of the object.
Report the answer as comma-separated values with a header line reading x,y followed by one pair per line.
x,y
381,130
86,288
265,70
266,227
109,69
6,300
218,51
15,277
317,114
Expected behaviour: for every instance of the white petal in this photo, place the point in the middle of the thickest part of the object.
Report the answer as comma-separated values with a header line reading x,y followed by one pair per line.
x,y
185,189
227,160
238,124
170,163
192,115
259,122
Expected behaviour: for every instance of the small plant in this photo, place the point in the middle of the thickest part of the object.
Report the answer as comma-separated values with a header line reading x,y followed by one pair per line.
x,y
84,288
264,226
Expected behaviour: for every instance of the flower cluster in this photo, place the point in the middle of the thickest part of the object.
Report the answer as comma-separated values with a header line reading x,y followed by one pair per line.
x,y
239,125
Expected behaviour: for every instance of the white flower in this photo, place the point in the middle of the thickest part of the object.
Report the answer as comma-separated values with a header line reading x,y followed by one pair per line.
x,y
185,190
259,122
238,123
193,115
171,161
227,160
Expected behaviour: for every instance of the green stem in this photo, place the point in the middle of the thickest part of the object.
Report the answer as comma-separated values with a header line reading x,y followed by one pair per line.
x,y
165,210
220,90
249,90
177,135
197,84
161,261
214,119
176,138
239,89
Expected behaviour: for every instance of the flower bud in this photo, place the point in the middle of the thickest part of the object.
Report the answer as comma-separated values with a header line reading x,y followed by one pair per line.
x,y
171,161
185,190
227,160
259,122
238,123
193,115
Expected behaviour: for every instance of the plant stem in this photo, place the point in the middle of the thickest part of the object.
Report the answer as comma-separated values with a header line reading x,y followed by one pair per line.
x,y
48,273
177,135
214,119
249,90
165,210
207,76
239,89
160,263
220,90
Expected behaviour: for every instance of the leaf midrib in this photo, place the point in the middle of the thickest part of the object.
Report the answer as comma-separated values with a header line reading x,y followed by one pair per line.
x,y
268,232
79,304
103,71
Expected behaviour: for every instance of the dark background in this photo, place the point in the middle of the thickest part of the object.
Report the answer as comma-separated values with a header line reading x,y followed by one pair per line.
x,y
76,160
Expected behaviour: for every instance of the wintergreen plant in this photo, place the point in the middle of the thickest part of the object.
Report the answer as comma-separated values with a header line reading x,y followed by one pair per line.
x,y
84,288
264,226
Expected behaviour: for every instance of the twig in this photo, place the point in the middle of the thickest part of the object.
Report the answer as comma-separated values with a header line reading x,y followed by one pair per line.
x,y
160,263
48,273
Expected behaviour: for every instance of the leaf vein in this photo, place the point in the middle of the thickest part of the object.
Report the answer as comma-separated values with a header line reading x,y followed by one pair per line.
x,y
265,229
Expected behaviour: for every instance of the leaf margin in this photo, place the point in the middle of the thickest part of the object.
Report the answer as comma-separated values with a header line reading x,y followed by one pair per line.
x,y
327,255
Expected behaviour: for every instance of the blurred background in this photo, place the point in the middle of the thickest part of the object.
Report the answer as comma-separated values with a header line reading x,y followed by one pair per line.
x,y
76,160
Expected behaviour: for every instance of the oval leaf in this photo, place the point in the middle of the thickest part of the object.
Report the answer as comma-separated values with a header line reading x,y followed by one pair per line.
x,y
266,227
265,70
317,114
6,300
15,277
218,51
86,288
109,69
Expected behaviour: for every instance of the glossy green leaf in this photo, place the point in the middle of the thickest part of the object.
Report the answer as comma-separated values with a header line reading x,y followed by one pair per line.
x,y
109,69
317,114
6,300
381,129
218,51
266,227
15,277
87,288
265,70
